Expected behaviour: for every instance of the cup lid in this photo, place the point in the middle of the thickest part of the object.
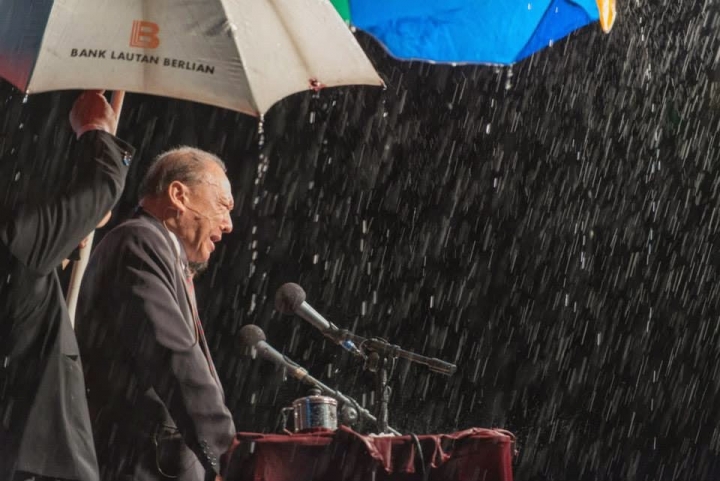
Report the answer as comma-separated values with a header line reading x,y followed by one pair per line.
x,y
315,400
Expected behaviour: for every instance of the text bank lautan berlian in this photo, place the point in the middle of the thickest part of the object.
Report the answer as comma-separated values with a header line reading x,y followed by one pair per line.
x,y
143,58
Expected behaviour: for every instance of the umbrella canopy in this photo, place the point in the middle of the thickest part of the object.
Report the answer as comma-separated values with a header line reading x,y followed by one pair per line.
x,y
472,31
243,55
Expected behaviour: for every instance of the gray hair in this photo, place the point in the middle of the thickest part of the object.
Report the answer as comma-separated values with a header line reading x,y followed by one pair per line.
x,y
183,164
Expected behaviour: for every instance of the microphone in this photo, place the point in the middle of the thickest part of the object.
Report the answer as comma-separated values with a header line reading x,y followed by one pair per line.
x,y
290,299
253,337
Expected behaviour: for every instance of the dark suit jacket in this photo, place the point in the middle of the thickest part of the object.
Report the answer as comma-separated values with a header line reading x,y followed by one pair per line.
x,y
151,384
44,426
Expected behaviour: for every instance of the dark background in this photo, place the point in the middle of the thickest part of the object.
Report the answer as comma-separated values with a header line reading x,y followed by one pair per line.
x,y
551,228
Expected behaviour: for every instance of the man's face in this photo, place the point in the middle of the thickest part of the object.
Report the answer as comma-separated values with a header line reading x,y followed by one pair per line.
x,y
207,214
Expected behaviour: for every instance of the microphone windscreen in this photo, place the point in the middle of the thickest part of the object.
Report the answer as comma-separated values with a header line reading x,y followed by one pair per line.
x,y
288,298
250,335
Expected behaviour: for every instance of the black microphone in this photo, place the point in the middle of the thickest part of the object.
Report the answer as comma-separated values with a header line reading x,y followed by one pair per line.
x,y
290,299
253,337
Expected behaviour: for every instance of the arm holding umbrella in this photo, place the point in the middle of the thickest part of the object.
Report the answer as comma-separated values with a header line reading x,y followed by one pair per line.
x,y
41,234
45,432
81,123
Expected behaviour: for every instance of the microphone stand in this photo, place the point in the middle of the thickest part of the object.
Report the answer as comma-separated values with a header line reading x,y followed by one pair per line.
x,y
311,381
386,349
378,365
381,354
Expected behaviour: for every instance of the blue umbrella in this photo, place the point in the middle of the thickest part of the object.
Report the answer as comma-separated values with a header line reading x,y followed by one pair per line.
x,y
472,31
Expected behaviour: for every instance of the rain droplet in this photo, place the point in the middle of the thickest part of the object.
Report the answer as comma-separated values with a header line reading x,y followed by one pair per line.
x,y
252,303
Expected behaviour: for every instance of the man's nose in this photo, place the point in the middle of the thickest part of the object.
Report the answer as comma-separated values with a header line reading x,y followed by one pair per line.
x,y
227,224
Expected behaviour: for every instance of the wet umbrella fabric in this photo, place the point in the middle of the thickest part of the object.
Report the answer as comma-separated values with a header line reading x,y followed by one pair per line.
x,y
243,55
472,31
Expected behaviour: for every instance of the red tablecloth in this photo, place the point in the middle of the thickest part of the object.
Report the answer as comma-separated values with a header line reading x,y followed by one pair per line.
x,y
344,455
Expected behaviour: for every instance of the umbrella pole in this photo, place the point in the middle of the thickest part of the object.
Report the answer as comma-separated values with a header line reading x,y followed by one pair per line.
x,y
79,266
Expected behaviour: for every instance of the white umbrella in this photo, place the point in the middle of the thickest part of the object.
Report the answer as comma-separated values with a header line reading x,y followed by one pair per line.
x,y
242,55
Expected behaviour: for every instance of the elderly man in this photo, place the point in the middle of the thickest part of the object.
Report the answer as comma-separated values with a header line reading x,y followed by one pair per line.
x,y
44,425
156,403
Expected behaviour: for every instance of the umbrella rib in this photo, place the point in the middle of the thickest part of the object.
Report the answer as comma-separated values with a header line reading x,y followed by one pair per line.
x,y
537,27
300,54
287,29
230,21
292,38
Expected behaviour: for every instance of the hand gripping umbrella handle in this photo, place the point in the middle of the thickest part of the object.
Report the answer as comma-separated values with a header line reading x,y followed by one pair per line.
x,y
116,102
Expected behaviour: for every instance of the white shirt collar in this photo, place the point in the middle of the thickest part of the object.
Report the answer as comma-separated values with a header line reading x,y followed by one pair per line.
x,y
176,242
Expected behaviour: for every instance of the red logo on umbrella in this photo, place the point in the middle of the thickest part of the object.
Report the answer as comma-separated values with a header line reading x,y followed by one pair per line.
x,y
145,34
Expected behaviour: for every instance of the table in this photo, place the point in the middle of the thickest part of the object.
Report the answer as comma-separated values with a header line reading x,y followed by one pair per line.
x,y
472,455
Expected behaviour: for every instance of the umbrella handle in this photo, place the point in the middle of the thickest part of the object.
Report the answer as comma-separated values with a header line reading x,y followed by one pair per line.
x,y
76,278
116,102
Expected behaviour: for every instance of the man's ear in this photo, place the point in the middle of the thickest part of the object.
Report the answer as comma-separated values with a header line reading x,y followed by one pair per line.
x,y
177,193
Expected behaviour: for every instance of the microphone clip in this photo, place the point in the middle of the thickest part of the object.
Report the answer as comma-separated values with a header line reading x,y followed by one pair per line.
x,y
342,338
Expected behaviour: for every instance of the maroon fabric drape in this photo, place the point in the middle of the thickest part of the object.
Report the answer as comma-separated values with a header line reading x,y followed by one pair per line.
x,y
344,455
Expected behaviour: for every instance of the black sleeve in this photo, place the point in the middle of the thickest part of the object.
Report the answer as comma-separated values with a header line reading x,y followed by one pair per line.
x,y
41,234
165,344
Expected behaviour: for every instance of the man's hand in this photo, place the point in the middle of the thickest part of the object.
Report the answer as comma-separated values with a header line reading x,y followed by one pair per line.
x,y
92,112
